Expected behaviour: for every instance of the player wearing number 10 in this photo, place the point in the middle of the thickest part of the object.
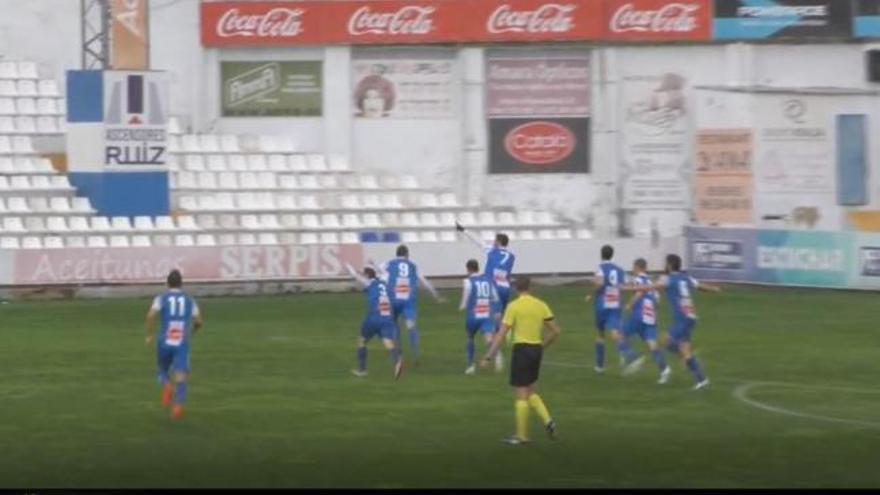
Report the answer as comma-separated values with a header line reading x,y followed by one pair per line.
x,y
179,317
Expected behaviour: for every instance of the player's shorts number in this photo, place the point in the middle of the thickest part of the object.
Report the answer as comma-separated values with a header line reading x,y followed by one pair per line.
x,y
174,335
649,317
500,277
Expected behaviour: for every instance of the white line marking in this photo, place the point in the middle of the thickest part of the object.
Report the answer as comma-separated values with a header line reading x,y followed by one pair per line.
x,y
741,393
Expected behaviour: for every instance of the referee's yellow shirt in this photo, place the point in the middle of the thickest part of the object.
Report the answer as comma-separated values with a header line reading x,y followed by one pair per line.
x,y
526,316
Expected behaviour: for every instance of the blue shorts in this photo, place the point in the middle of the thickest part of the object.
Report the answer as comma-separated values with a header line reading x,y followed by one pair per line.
x,y
485,326
382,327
176,357
503,297
407,308
645,331
680,330
608,319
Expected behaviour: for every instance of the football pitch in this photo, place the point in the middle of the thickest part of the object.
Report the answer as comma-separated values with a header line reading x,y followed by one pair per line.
x,y
794,401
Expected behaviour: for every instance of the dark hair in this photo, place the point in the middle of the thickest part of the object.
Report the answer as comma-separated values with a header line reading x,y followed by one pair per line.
x,y
673,262
473,266
502,239
402,250
607,252
380,84
369,273
175,279
522,283
641,264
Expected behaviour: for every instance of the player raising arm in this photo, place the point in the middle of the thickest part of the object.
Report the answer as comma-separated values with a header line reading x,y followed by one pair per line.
x,y
679,287
379,321
179,317
403,278
480,301
534,329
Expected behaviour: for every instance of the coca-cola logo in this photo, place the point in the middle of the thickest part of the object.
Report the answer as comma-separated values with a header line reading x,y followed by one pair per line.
x,y
409,20
548,18
275,23
670,18
540,142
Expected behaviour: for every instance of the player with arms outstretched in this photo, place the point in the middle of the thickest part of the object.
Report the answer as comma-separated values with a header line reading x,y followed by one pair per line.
x,y
403,278
379,321
608,280
479,299
643,317
179,318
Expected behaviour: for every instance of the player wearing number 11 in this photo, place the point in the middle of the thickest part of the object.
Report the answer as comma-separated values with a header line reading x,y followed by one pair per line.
x,y
179,317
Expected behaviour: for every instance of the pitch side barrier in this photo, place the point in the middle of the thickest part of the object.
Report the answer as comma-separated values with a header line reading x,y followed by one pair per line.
x,y
792,258
224,270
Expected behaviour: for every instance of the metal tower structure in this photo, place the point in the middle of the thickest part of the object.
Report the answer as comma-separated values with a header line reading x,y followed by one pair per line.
x,y
95,33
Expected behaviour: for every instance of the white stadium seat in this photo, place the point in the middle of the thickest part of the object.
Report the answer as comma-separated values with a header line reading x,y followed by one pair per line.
x,y
26,87
56,224
309,238
27,70
7,106
34,224
79,224
349,238
409,237
330,221
47,87
100,224
429,236
76,241
247,239
8,70
329,238
26,106
141,241
165,223
119,241
81,205
267,239
289,221
25,124
120,224
9,243
229,144
53,242
297,163
184,240
8,88
205,240
96,241
162,240
143,223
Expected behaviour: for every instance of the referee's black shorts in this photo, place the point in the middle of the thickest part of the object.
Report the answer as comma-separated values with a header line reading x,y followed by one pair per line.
x,y
525,364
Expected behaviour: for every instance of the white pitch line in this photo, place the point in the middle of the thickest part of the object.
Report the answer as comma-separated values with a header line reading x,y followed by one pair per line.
x,y
741,393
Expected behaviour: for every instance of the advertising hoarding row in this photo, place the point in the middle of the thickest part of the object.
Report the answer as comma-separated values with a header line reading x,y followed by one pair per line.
x,y
315,22
785,257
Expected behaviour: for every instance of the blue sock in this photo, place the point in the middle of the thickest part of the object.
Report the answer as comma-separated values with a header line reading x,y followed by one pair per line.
x,y
180,392
362,358
600,354
625,350
672,347
694,366
470,351
163,377
657,356
414,342
395,355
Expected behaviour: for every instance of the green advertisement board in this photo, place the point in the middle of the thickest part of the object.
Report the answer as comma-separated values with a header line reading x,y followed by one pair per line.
x,y
271,89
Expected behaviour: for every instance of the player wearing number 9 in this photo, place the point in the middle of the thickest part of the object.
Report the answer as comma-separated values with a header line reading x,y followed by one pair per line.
x,y
179,317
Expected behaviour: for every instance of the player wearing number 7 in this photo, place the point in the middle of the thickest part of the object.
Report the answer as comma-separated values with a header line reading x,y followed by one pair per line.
x,y
179,318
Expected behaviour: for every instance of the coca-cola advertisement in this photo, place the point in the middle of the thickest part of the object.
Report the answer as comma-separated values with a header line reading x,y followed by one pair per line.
x,y
545,145
248,23
658,19
533,20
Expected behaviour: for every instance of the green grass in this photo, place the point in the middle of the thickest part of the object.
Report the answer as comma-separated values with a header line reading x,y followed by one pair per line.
x,y
272,403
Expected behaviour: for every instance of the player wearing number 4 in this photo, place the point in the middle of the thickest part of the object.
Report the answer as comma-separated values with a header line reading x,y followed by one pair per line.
x,y
480,301
180,317
379,321
403,278
608,315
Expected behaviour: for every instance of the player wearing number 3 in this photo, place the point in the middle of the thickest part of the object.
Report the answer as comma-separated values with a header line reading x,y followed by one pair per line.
x,y
479,299
179,317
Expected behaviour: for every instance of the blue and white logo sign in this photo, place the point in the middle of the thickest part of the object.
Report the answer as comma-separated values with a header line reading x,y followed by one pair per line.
x,y
762,19
135,119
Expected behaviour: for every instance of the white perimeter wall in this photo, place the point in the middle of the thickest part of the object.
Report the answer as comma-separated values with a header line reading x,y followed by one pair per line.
x,y
451,153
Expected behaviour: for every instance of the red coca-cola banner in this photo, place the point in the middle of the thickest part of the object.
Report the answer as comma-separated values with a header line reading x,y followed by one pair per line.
x,y
238,23
658,19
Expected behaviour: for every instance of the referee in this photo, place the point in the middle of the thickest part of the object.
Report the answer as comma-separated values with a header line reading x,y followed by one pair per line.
x,y
526,317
